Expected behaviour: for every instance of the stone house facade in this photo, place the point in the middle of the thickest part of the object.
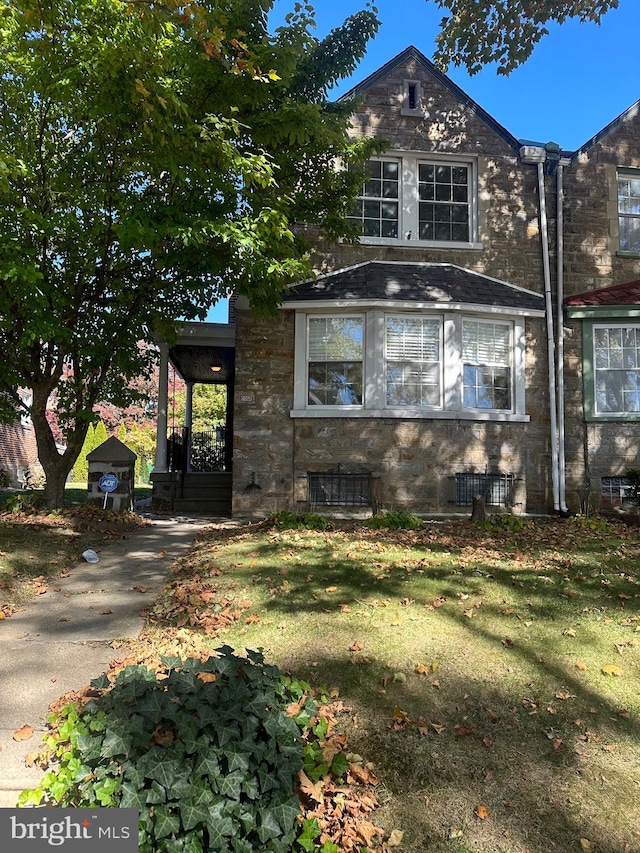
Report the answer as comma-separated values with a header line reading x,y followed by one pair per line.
x,y
452,391
482,336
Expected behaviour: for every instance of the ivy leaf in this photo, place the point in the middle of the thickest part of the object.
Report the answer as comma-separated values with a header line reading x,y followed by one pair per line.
x,y
193,813
165,822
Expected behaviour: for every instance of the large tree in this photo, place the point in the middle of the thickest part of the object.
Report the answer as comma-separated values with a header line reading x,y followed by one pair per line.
x,y
154,156
475,33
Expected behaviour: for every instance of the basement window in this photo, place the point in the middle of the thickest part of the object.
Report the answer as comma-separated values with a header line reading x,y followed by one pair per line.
x,y
338,489
613,491
496,489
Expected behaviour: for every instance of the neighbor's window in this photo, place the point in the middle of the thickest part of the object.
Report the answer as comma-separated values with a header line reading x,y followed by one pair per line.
x,y
486,356
414,199
629,210
616,351
413,361
335,352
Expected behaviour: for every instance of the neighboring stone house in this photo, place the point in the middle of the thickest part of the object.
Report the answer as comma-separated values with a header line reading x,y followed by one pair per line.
x,y
427,363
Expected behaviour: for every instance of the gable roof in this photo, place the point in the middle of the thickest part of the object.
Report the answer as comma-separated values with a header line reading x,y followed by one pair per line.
x,y
428,284
629,113
627,293
412,52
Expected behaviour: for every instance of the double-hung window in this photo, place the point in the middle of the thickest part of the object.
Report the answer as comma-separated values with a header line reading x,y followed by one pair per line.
x,y
616,367
413,361
335,352
486,356
629,210
415,199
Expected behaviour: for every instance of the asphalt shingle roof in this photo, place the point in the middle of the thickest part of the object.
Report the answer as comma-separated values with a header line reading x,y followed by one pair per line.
x,y
627,293
376,281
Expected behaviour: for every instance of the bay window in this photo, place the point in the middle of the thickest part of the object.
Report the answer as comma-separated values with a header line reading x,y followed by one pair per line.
x,y
409,364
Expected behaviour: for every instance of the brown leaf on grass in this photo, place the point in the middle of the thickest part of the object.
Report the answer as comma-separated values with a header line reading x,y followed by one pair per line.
x,y
406,602
313,790
368,831
465,731
587,846
106,612
344,608
362,774
23,733
438,602
481,812
438,729
580,665
613,670
564,694
399,714
330,588
252,619
507,643
356,646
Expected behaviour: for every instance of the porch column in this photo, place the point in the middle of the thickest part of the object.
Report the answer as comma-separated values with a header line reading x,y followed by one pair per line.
x,y
188,421
160,466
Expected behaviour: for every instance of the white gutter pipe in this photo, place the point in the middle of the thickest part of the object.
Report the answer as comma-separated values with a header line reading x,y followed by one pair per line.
x,y
537,155
560,313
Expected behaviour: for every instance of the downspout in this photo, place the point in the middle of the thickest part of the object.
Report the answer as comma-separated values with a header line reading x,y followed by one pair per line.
x,y
538,155
560,313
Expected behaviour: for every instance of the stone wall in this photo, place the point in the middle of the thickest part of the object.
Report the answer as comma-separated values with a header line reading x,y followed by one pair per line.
x,y
413,462
591,261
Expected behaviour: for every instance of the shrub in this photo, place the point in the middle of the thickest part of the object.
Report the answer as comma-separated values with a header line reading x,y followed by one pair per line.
x,y
24,502
300,521
506,522
5,479
207,754
394,520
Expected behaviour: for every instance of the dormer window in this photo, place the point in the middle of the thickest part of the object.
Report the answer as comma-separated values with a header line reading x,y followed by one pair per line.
x,y
411,98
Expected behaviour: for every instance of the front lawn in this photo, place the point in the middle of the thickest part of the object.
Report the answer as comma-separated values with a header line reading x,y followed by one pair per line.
x,y
492,672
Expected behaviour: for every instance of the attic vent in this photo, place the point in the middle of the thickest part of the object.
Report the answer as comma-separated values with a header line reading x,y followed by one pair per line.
x,y
337,489
496,489
411,98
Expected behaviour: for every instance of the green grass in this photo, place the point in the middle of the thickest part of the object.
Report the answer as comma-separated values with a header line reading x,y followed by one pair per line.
x,y
473,660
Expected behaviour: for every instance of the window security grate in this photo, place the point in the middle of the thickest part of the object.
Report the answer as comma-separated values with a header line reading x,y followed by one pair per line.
x,y
495,488
614,491
334,489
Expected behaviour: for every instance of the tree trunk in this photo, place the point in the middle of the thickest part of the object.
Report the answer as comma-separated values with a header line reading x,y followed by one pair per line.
x,y
56,465
478,512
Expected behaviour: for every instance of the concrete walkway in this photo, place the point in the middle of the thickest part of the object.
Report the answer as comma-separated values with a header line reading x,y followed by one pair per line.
x,y
61,640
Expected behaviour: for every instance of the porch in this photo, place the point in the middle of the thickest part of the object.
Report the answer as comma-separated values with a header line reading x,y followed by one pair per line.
x,y
192,471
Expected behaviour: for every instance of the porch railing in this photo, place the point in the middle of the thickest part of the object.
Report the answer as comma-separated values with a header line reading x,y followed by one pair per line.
x,y
203,451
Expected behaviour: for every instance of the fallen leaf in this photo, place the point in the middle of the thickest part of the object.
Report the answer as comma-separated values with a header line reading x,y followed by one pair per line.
x,y
252,619
356,646
564,694
481,812
580,665
106,612
395,838
207,677
612,669
438,729
331,589
398,714
313,790
568,632
586,845
23,733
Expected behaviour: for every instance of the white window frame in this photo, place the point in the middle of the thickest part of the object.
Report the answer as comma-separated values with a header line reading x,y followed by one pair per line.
x,y
335,316
374,367
408,202
623,174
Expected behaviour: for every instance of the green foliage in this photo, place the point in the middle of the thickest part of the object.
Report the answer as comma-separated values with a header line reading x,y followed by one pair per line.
x,y
300,521
207,754
394,520
24,502
475,34
5,479
151,162
507,521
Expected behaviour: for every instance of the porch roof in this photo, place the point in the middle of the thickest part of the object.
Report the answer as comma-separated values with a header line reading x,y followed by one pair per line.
x,y
444,285
627,293
204,353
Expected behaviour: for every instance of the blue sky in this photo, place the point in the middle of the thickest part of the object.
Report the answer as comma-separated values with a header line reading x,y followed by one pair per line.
x,y
578,79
